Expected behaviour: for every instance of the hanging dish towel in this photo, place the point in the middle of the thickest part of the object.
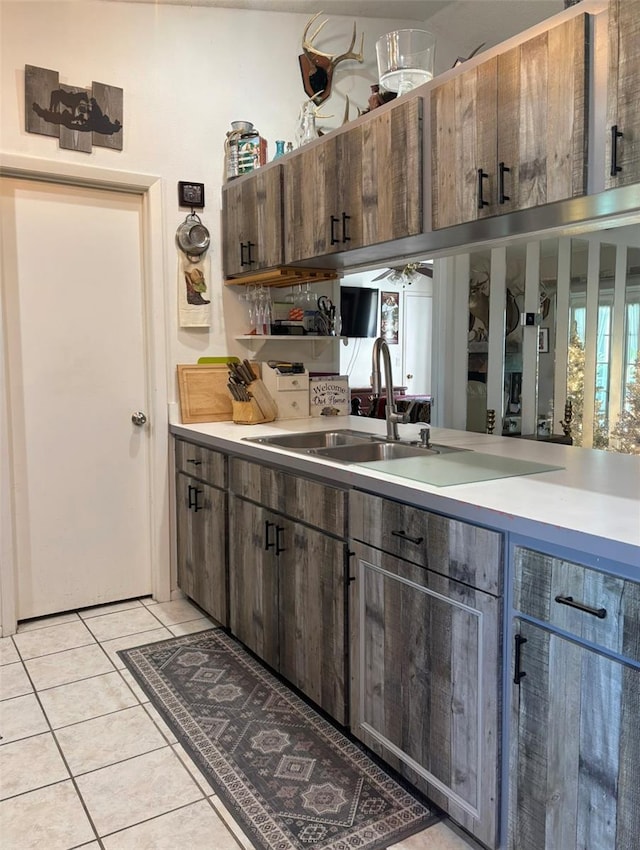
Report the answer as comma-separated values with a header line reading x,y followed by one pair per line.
x,y
194,295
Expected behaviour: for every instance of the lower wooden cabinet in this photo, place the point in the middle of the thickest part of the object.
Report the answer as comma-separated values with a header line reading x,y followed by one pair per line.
x,y
202,548
574,740
425,682
287,597
575,747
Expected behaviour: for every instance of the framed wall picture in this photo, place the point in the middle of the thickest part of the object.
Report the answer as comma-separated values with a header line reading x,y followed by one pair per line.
x,y
543,340
389,316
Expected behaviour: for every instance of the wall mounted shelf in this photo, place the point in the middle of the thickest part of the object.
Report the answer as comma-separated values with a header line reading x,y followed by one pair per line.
x,y
318,343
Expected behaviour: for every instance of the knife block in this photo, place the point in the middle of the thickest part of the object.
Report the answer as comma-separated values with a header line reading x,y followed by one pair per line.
x,y
261,407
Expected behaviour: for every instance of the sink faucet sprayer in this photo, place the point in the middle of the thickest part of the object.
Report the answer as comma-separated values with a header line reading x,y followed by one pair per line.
x,y
380,347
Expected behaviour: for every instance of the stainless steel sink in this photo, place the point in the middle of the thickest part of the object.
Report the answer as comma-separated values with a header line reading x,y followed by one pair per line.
x,y
316,439
367,452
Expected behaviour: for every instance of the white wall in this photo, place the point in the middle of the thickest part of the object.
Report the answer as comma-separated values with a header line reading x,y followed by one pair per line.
x,y
186,72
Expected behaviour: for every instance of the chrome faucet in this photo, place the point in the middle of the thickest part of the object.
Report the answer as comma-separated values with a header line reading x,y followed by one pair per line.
x,y
380,347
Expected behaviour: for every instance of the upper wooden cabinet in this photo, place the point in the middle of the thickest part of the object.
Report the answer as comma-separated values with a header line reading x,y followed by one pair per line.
x,y
511,133
252,222
357,188
623,94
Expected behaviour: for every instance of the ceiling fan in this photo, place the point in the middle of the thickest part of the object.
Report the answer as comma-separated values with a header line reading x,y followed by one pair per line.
x,y
407,274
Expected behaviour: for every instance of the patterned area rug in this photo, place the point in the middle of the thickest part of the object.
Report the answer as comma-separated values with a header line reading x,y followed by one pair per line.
x,y
292,779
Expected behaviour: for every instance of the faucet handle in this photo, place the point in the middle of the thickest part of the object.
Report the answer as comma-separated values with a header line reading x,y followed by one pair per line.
x,y
425,435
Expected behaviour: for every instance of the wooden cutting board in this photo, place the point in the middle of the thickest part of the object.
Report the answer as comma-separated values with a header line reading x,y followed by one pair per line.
x,y
204,396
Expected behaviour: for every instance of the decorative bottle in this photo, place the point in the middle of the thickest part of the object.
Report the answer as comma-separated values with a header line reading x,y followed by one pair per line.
x,y
307,131
279,148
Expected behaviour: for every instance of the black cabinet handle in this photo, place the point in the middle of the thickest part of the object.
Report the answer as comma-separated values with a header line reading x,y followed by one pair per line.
x,y
267,525
404,536
196,506
345,219
243,262
601,613
279,531
334,239
502,171
615,135
190,493
519,674
482,175
194,461
250,259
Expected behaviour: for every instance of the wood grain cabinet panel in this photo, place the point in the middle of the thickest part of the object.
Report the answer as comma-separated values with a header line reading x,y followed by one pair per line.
x,y
575,747
311,502
623,94
252,235
288,578
425,683
201,462
456,549
357,188
511,133
202,544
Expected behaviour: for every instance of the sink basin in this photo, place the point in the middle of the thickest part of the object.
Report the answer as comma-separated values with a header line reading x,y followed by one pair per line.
x,y
371,451
316,439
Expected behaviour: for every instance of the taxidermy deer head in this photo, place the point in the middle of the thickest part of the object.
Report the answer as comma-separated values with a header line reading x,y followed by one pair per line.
x,y
317,67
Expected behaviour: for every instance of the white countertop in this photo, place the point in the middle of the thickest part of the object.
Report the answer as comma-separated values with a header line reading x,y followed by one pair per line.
x,y
591,505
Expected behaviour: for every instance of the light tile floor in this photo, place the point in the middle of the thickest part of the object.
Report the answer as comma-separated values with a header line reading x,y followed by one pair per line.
x,y
86,761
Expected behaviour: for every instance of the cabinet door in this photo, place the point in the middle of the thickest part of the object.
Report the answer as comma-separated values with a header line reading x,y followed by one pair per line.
x,y
542,100
425,672
253,579
252,222
202,545
309,202
623,93
575,748
463,146
311,569
391,192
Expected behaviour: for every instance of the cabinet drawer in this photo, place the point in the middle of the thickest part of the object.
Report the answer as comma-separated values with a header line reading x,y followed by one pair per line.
x,y
290,383
201,462
302,499
293,405
589,604
450,547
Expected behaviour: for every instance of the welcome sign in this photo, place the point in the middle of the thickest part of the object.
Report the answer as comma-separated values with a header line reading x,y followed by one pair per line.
x,y
329,396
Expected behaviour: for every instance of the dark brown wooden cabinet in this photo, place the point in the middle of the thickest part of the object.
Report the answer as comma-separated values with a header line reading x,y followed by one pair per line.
x,y
356,188
574,743
252,222
288,578
201,508
510,133
426,657
623,94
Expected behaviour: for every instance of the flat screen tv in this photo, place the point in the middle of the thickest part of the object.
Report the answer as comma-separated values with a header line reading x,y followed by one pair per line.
x,y
358,311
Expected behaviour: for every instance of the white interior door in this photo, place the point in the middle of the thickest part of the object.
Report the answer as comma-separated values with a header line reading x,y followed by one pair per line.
x,y
72,274
416,337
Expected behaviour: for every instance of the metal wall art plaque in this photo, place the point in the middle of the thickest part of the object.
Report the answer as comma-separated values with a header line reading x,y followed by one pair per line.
x,y
78,117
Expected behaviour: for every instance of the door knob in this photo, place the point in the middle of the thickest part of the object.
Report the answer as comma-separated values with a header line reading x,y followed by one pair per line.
x,y
409,377
138,418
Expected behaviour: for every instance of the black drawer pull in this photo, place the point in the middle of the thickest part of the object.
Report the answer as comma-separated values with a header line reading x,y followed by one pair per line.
x,y
194,461
345,219
615,135
502,198
334,239
267,526
569,600
279,547
404,536
482,175
519,674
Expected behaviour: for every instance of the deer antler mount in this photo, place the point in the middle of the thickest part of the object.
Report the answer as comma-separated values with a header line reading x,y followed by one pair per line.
x,y
317,67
